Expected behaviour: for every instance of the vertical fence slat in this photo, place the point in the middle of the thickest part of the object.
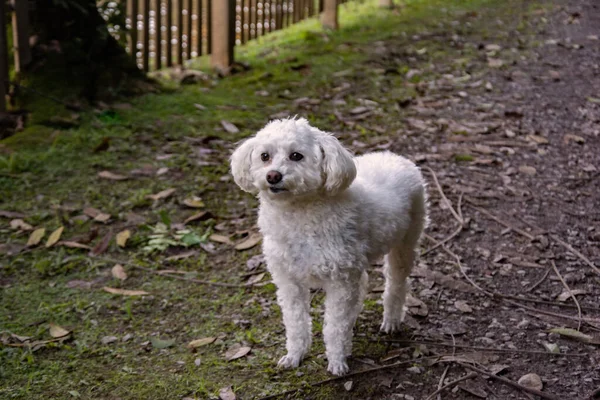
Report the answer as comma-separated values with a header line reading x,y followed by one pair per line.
x,y
386,3
329,18
209,23
3,58
180,32
169,32
188,47
245,20
132,12
146,36
20,25
158,37
223,35
199,27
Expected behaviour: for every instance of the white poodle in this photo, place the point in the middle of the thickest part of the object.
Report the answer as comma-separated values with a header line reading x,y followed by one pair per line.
x,y
325,216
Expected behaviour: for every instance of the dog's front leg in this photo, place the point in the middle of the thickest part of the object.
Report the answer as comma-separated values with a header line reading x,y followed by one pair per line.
x,y
294,301
343,303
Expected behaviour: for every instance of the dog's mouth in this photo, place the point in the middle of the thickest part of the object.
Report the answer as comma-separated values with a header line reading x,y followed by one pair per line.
x,y
277,190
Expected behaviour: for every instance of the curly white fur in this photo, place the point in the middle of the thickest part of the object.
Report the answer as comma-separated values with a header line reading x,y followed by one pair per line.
x,y
328,217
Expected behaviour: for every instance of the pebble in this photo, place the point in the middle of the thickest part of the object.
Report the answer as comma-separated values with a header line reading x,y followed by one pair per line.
x,y
415,370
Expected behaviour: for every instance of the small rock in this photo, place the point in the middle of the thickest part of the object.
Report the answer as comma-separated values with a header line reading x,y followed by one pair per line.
x,y
510,134
527,170
197,362
532,381
488,86
408,397
555,75
348,386
414,370
299,374
523,324
127,337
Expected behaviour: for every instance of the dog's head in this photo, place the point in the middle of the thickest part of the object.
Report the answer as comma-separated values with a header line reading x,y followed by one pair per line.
x,y
290,159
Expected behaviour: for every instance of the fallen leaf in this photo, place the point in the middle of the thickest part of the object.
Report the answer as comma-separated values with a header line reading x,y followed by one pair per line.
x,y
11,214
194,202
442,279
463,306
162,171
348,386
220,239
91,212
573,138
495,62
118,272
576,335
57,331
102,245
527,170
532,381
237,351
495,369
110,176
566,294
537,139
108,339
74,245
20,224
55,237
102,217
226,393
255,279
125,292
79,284
199,107
122,237
255,262
229,127
36,236
201,342
162,195
182,256
201,216
161,343
416,306
250,242
551,347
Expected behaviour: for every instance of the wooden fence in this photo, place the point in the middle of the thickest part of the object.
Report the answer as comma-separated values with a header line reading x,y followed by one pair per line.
x,y
168,32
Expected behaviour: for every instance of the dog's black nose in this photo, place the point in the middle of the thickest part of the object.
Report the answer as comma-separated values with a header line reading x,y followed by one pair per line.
x,y
274,177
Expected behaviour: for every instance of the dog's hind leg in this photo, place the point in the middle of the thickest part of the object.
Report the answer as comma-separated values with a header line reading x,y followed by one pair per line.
x,y
397,267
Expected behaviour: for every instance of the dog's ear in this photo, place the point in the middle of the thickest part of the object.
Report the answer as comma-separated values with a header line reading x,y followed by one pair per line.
x,y
241,161
338,165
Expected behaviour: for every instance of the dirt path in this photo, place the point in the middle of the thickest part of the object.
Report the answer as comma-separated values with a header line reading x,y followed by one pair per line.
x,y
530,151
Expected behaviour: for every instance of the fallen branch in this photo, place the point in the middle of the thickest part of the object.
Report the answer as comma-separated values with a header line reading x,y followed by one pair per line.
x,y
570,293
526,389
452,384
501,222
181,278
441,383
577,253
482,349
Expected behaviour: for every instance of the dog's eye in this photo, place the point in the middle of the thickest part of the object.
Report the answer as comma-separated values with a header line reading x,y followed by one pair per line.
x,y
265,157
296,156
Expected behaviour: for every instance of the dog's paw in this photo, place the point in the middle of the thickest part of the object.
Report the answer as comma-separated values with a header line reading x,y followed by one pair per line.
x,y
289,361
338,368
391,325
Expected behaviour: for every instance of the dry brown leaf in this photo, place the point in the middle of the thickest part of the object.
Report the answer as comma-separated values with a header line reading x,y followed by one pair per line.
x,y
442,279
20,224
255,279
229,127
237,351
220,239
55,237
74,245
36,236
537,139
162,195
194,202
102,245
118,272
416,306
125,292
201,342
532,381
527,170
122,237
573,138
226,393
11,214
462,305
250,242
57,331
201,216
566,294
182,256
110,176
102,217
91,212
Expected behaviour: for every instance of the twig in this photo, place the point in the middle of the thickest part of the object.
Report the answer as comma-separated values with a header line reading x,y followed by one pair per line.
x,y
536,392
350,375
501,222
577,253
181,278
552,314
439,187
482,349
470,375
549,303
446,240
463,272
538,283
570,293
441,383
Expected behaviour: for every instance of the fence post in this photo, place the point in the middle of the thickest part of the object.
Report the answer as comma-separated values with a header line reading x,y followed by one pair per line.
x,y
20,24
329,18
386,3
3,58
223,34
